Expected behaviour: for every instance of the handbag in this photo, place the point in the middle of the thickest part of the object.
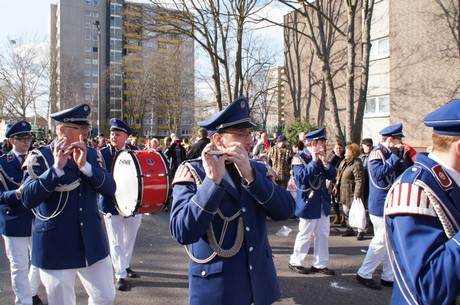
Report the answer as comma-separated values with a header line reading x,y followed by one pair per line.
x,y
357,216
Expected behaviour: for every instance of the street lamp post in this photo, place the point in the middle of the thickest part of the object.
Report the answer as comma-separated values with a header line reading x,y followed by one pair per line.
x,y
99,91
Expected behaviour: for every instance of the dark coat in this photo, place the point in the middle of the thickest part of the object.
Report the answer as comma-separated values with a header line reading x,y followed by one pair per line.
x,y
197,148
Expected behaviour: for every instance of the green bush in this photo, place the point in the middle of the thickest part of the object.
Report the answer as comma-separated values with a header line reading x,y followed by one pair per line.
x,y
292,130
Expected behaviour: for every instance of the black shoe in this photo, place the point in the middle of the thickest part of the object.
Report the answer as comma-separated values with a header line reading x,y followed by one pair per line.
x,y
348,232
325,271
386,283
299,269
360,236
121,284
36,300
369,283
131,273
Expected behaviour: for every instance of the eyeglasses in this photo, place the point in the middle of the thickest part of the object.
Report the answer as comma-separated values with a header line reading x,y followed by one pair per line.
x,y
240,134
23,139
81,128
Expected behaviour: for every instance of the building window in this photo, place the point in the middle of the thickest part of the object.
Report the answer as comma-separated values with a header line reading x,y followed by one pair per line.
x,y
87,61
94,85
377,106
96,2
95,38
88,2
94,61
87,13
88,49
87,85
94,73
380,49
87,37
87,97
95,14
87,25
87,73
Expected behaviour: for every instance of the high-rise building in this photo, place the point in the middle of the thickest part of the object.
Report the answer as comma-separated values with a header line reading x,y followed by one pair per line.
x,y
119,53
75,54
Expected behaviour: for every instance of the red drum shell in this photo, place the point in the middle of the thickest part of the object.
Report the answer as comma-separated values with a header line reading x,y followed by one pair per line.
x,y
142,182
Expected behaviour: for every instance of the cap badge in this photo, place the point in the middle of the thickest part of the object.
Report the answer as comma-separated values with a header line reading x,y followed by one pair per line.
x,y
242,105
85,108
23,124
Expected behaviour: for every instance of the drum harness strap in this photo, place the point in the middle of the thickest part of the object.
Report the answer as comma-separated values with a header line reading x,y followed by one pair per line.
x,y
31,161
217,246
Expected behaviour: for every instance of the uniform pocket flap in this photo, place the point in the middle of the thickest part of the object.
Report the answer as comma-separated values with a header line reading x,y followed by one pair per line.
x,y
204,270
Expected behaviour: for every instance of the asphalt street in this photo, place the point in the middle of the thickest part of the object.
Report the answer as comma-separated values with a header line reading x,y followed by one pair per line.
x,y
162,264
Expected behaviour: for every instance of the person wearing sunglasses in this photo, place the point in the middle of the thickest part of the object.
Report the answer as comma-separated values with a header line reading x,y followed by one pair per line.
x,y
61,186
15,219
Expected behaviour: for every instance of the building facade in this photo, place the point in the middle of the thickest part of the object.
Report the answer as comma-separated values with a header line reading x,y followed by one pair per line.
x,y
112,52
414,63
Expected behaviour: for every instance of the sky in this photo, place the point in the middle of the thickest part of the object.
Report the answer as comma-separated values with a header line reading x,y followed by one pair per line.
x,y
24,18
30,18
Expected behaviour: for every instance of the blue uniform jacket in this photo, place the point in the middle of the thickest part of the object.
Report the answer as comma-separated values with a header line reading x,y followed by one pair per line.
x,y
426,260
249,276
108,153
383,168
75,238
15,219
310,178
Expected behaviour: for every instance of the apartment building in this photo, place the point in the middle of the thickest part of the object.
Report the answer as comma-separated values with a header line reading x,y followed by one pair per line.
x,y
414,64
107,50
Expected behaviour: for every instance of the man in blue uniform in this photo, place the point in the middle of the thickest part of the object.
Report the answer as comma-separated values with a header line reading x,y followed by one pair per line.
x,y
61,186
311,169
383,168
121,230
422,216
15,219
220,206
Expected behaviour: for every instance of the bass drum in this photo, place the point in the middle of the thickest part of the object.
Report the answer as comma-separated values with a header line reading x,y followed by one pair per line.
x,y
142,180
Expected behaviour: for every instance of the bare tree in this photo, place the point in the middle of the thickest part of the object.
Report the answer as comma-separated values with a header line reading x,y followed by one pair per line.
x,y
367,12
21,79
323,21
219,28
451,14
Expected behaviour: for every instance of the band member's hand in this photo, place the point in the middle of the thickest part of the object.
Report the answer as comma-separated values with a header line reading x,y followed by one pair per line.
x,y
79,152
214,166
61,153
237,154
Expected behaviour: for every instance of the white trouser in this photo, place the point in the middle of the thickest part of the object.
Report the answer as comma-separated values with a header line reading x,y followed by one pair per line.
x,y
377,253
25,280
319,229
122,232
97,280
